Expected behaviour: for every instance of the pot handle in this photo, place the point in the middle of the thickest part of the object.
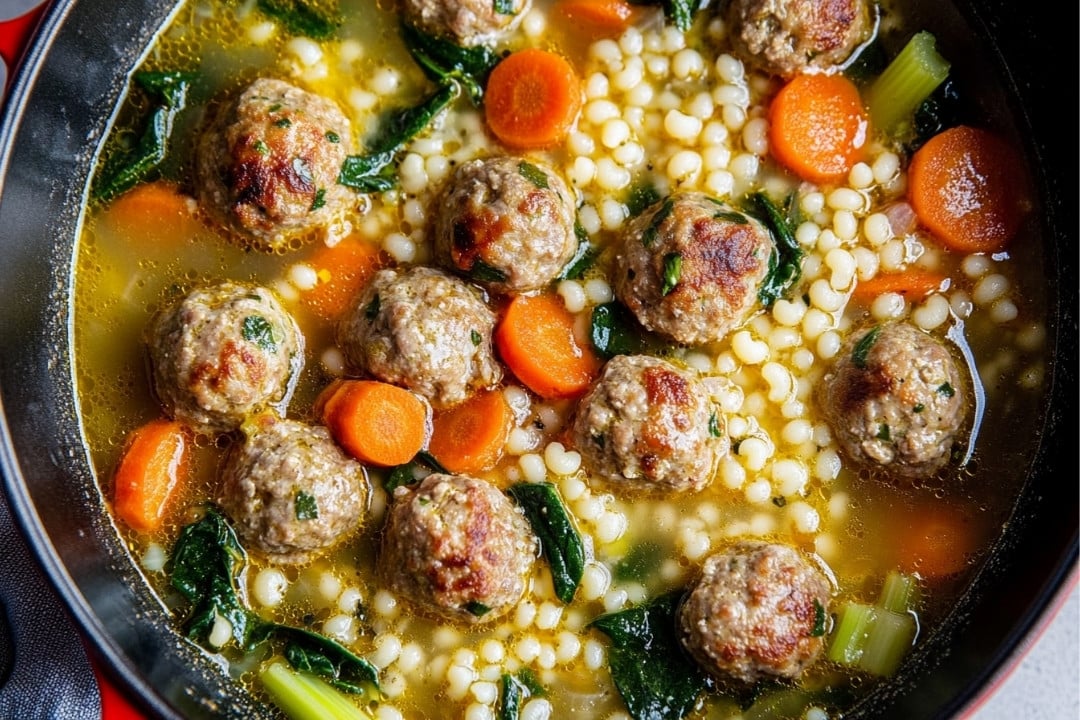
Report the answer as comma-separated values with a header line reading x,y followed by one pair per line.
x,y
15,35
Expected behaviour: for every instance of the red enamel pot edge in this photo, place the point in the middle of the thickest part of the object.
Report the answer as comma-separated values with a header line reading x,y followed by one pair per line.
x,y
48,133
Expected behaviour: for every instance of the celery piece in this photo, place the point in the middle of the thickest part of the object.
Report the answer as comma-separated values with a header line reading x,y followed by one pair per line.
x,y
891,636
907,81
306,697
900,592
849,638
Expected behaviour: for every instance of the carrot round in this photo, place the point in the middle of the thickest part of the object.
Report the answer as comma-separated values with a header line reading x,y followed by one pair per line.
x,y
913,283
818,127
154,463
375,422
532,99
155,212
470,437
342,271
597,18
535,338
966,188
939,540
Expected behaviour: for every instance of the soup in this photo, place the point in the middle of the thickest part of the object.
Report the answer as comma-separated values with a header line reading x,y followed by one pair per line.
x,y
639,430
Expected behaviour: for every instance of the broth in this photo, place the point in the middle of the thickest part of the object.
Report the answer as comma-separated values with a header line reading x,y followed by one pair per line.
x,y
789,484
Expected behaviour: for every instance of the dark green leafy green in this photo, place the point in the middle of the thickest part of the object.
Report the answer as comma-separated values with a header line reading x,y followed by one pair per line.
x,y
533,174
409,473
307,508
205,566
641,197
679,12
373,171
862,348
649,236
483,272
123,171
615,331
672,272
258,330
559,539
301,18
584,257
785,264
443,60
655,678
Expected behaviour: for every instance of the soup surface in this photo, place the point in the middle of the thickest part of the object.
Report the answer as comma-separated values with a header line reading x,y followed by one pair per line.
x,y
675,125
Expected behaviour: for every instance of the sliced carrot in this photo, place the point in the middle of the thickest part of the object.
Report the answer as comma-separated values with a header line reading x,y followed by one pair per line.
x,y
470,437
155,212
913,283
154,463
818,127
535,338
966,187
938,539
342,271
532,99
376,422
597,18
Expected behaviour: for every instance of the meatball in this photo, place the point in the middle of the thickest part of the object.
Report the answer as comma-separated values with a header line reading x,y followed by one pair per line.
x,y
690,266
268,165
464,22
649,425
457,547
788,37
223,352
506,223
758,610
424,330
290,490
895,399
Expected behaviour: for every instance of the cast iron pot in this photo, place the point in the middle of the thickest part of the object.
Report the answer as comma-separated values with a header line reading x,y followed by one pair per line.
x,y
61,106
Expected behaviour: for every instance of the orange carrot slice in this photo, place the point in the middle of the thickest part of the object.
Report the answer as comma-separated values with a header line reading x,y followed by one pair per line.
x,y
154,463
818,127
965,188
535,338
470,437
532,99
375,422
342,270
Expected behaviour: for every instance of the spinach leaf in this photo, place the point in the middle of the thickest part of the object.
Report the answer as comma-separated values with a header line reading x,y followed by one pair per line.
x,y
407,474
615,331
655,678
672,272
257,330
584,257
862,348
559,539
205,566
373,171
301,18
785,264
679,12
516,689
442,60
122,172
641,197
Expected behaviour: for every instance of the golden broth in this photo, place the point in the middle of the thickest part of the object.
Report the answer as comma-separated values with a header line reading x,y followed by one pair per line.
x,y
789,484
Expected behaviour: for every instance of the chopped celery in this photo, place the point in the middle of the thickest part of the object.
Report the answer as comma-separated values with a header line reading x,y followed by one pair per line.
x,y
851,631
899,593
306,697
906,82
889,639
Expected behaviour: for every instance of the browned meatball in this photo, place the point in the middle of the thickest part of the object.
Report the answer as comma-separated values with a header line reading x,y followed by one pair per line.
x,y
690,266
465,22
457,547
787,37
506,223
649,425
290,490
424,330
268,165
222,353
758,610
896,399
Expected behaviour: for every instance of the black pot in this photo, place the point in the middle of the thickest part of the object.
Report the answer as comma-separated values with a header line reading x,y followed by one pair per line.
x,y
61,106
